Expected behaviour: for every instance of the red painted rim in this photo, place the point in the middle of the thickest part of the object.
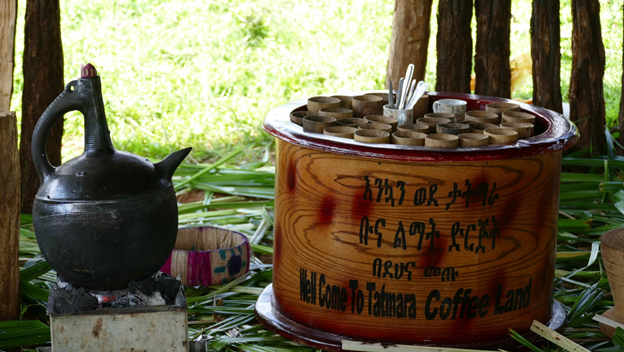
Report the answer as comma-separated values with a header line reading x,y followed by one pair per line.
x,y
555,133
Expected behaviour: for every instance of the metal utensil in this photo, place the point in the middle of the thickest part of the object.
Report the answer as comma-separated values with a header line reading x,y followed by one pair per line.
x,y
390,95
399,93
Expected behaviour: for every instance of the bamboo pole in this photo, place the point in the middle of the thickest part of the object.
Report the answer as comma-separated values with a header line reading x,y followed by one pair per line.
x,y
9,218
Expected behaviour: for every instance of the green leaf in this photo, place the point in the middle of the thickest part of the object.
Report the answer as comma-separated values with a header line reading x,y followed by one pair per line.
x,y
23,333
618,337
524,341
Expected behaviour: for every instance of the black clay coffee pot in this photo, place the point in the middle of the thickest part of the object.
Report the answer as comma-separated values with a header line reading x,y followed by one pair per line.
x,y
106,217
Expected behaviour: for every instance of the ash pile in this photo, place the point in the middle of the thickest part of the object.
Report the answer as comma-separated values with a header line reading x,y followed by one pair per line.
x,y
158,290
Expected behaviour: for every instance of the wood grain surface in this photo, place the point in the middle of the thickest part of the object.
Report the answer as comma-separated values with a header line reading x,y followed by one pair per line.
x,y
357,254
9,218
8,13
43,82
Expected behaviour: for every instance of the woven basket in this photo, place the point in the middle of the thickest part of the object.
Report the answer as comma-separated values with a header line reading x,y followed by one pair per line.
x,y
205,256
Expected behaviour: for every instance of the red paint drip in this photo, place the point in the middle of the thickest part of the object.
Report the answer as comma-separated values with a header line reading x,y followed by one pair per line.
x,y
498,279
477,199
326,212
291,177
433,258
277,245
360,207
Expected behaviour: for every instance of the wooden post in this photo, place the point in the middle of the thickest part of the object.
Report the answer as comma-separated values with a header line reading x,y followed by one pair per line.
x,y
546,55
43,82
9,218
587,108
8,15
454,46
410,39
492,51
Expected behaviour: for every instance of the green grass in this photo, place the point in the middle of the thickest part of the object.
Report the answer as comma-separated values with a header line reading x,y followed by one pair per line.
x,y
240,198
205,73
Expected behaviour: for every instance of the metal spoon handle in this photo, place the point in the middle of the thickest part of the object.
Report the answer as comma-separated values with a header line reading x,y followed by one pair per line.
x,y
399,93
390,95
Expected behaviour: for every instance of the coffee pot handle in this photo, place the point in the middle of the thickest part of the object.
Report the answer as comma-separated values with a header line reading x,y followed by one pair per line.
x,y
68,100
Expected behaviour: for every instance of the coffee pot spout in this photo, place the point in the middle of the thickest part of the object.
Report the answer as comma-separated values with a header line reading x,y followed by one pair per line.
x,y
167,166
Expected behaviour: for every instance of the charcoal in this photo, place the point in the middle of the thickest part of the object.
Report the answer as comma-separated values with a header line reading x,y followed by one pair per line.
x,y
146,287
169,287
124,302
68,300
157,290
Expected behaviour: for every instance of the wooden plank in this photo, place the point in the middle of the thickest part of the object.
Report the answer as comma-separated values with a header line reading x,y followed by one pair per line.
x,y
8,15
9,218
493,74
410,39
587,106
546,54
43,82
454,46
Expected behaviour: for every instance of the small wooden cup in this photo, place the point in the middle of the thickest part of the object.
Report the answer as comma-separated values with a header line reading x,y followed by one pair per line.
x,y
415,127
444,115
345,100
499,108
372,136
482,116
441,140
315,104
340,131
408,138
525,130
351,122
317,123
338,113
518,116
452,128
478,127
376,126
420,109
367,105
501,135
297,116
392,121
473,140
384,96
612,249
433,121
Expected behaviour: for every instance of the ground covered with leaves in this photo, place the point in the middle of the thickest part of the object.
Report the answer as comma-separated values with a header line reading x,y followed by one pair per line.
x,y
241,198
